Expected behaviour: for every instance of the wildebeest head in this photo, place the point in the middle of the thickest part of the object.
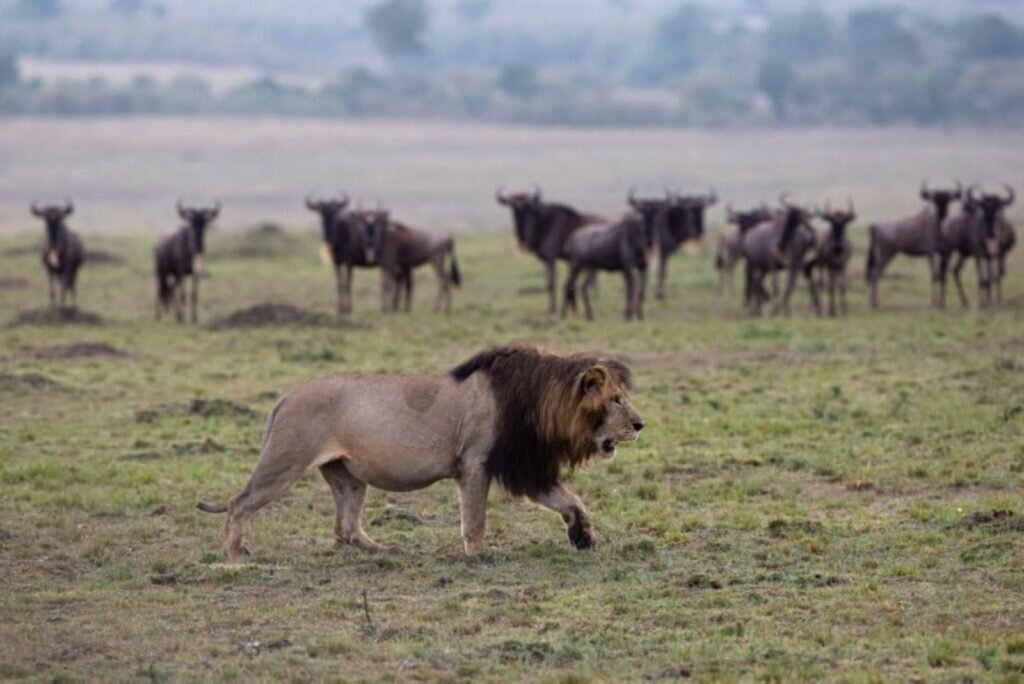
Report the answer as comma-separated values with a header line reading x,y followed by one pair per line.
x,y
199,219
375,224
695,206
745,220
838,220
990,205
329,209
941,199
651,211
53,215
526,207
794,216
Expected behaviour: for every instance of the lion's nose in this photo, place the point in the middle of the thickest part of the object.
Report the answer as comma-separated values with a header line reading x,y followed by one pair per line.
x,y
638,425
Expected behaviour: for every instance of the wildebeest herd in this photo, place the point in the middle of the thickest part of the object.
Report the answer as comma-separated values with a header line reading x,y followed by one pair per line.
x,y
769,242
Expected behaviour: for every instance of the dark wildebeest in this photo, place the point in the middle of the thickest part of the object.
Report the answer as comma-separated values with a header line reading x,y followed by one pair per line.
x,y
915,236
671,235
622,246
542,228
344,245
63,253
179,255
398,249
729,251
780,243
982,231
833,254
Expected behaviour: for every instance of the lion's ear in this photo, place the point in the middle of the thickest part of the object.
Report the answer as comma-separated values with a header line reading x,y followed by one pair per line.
x,y
594,387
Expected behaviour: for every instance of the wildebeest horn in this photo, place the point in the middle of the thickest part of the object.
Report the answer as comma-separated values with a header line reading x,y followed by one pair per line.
x,y
183,211
784,199
313,204
343,202
36,211
631,197
925,193
536,193
499,195
970,193
1010,195
215,212
69,207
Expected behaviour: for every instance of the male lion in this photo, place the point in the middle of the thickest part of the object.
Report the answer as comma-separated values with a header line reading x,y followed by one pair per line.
x,y
513,414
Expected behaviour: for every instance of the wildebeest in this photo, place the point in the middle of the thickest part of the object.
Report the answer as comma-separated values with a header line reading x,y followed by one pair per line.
x,y
398,249
63,253
729,251
780,243
179,255
833,253
344,244
982,231
915,236
671,235
542,228
620,246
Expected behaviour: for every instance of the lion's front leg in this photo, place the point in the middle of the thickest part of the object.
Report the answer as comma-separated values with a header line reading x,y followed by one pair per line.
x,y
473,482
568,505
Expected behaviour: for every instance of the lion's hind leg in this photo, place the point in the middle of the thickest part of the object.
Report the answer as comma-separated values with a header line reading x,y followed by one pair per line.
x,y
349,496
568,505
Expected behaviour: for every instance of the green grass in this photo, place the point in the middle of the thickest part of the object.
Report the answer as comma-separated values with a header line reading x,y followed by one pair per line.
x,y
798,507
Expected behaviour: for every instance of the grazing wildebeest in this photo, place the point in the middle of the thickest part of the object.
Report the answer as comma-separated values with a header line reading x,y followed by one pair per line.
x,y
780,243
671,235
542,228
344,245
63,253
833,253
729,251
980,230
621,246
915,236
398,249
179,255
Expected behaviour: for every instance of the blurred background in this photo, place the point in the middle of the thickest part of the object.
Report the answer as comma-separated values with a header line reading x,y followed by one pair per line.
x,y
170,70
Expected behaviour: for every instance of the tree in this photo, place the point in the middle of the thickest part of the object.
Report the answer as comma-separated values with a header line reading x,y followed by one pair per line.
x,y
9,73
991,36
397,26
775,79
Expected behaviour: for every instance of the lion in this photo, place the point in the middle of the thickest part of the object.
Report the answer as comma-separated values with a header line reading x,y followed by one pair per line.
x,y
512,414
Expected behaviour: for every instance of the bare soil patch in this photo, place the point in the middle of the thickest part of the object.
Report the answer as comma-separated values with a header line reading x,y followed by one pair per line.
x,y
75,350
269,314
997,520
56,316
262,241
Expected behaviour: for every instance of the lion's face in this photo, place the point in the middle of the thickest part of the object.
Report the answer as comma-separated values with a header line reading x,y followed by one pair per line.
x,y
607,399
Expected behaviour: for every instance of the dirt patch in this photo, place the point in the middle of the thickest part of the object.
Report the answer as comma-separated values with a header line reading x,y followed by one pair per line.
x,y
269,314
205,408
12,283
64,315
100,257
259,242
28,382
75,350
997,521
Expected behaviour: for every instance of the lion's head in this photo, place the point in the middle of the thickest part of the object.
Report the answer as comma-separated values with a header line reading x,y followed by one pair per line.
x,y
553,411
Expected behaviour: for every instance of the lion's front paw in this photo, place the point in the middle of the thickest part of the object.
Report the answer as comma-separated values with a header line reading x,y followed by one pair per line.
x,y
581,536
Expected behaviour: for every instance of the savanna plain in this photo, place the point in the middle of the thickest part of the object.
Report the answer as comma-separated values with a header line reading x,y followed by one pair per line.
x,y
813,498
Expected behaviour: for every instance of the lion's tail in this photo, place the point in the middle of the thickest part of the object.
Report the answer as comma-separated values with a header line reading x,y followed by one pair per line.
x,y
211,508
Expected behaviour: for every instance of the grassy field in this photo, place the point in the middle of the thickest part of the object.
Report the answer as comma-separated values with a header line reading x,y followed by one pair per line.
x,y
812,498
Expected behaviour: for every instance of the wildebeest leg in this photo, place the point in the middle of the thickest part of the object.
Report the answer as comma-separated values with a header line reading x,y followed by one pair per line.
x,y
935,267
339,288
775,284
568,505
53,291
551,273
782,306
408,290
842,291
569,290
981,263
473,484
385,289
659,290
831,275
813,285
641,293
627,275
1000,272
179,300
942,275
349,497
883,259
443,286
957,267
195,297
588,286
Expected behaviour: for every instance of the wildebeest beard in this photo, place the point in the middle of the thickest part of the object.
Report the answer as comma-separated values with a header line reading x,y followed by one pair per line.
x,y
794,217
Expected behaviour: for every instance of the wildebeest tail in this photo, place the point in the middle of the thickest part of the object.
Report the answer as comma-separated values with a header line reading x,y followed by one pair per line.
x,y
872,259
211,508
455,275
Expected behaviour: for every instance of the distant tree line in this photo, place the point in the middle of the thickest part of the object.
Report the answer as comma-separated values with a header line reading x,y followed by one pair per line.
x,y
874,65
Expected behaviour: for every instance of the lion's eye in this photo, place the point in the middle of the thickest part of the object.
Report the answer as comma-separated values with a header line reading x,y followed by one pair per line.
x,y
617,401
